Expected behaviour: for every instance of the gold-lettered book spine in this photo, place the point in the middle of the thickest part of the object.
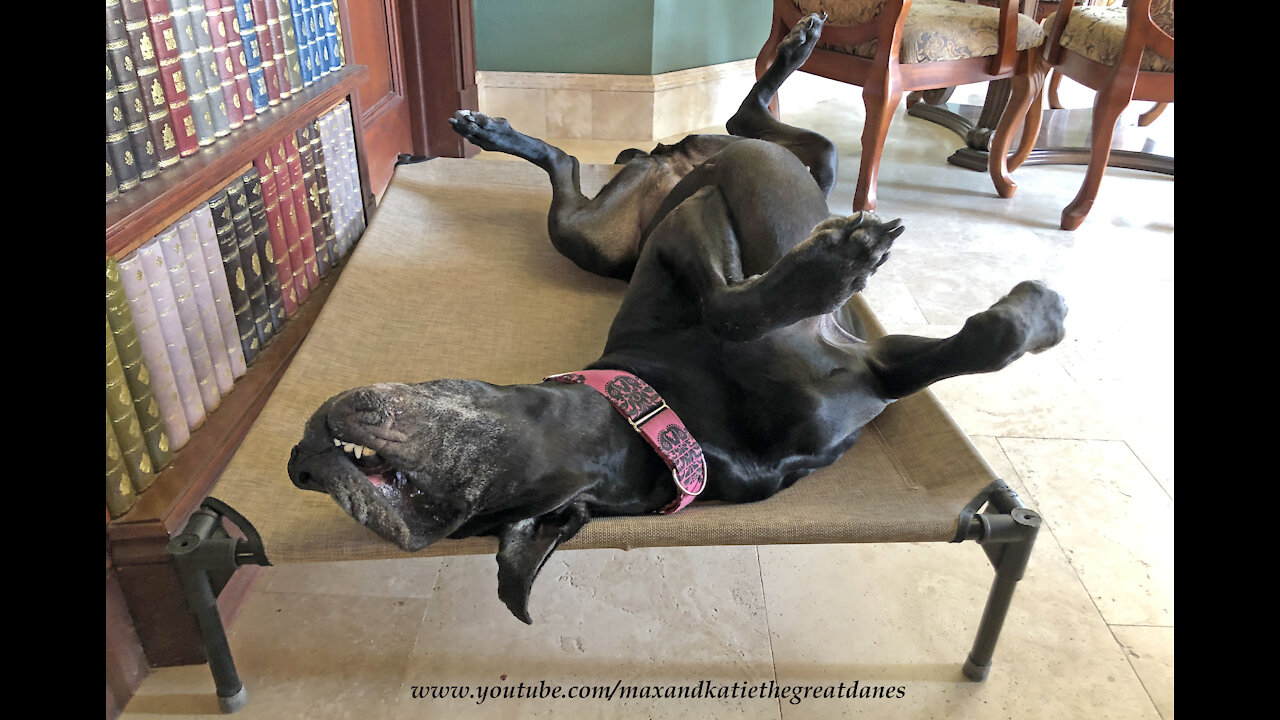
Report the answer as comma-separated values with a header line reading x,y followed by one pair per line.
x,y
124,420
136,372
120,493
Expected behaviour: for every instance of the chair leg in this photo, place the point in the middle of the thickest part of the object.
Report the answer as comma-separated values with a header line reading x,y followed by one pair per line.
x,y
1055,79
1107,107
766,57
1150,116
1024,109
881,102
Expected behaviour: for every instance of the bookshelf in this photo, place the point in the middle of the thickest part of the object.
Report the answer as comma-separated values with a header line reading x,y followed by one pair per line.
x,y
148,624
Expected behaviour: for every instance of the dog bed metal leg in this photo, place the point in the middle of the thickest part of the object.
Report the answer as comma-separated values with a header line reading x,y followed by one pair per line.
x,y
206,556
1007,537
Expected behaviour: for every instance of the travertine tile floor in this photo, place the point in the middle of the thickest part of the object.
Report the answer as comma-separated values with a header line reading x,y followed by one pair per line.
x,y
1084,432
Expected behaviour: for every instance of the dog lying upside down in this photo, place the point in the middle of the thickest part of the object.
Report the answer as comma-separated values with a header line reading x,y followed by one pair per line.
x,y
724,375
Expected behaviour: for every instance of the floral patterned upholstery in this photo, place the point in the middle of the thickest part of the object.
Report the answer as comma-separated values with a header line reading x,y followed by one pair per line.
x,y
1097,32
934,30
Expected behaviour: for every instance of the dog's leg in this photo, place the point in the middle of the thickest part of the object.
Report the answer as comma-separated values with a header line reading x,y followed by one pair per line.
x,y
1028,319
753,119
600,234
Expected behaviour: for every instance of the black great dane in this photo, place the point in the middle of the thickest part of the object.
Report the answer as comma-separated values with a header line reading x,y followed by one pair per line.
x,y
727,332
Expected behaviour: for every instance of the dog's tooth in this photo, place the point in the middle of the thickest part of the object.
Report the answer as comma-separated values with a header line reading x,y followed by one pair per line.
x,y
337,442
348,446
359,451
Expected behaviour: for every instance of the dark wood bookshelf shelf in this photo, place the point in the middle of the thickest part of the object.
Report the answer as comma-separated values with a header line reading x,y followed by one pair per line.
x,y
141,213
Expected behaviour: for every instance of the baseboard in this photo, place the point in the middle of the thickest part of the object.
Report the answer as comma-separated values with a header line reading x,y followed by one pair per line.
x,y
616,107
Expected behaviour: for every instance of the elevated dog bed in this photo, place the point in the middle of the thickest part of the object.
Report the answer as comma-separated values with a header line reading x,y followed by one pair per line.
x,y
456,277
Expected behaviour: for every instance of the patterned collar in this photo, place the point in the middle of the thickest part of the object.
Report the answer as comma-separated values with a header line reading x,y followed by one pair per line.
x,y
648,413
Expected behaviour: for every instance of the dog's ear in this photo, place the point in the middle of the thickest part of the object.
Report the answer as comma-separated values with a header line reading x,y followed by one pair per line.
x,y
523,548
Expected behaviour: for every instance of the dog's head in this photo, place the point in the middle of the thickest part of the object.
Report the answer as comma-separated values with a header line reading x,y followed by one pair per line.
x,y
415,463
410,462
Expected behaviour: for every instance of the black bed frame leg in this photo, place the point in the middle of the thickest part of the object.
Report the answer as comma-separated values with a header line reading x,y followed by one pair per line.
x,y
1007,537
206,556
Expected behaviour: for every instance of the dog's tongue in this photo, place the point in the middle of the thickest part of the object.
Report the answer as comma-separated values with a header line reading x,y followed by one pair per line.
x,y
377,481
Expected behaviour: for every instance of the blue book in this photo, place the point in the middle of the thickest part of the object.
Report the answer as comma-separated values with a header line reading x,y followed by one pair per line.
x,y
252,54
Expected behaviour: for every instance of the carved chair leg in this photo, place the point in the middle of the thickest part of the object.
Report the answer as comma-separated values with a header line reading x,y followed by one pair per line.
x,y
1150,116
1025,110
1055,79
1107,107
881,102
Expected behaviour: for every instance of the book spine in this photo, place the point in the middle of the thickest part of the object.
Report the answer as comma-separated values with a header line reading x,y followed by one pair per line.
x,y
276,233
298,187
202,217
151,90
184,371
265,250
344,146
197,276
252,53
165,42
289,216
129,347
311,190
267,50
237,285
198,21
190,74
120,494
287,30
135,115
324,197
218,40
188,319
272,12
125,420
119,148
300,11
250,261
337,183
327,23
154,350
235,48
113,188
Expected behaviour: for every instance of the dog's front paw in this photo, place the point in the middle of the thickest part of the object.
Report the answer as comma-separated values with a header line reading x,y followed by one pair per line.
x,y
858,245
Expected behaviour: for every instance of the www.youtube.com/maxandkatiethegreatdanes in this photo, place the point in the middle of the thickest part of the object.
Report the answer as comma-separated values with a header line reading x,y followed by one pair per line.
x,y
700,690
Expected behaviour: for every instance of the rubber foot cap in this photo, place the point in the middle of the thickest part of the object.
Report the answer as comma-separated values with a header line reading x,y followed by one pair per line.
x,y
233,703
974,671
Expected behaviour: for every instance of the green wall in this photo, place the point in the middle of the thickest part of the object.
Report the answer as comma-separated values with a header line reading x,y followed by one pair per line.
x,y
616,37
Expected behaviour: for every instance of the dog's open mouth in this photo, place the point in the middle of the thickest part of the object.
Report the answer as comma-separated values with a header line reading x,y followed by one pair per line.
x,y
390,482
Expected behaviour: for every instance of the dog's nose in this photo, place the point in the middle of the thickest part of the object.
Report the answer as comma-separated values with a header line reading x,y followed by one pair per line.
x,y
300,478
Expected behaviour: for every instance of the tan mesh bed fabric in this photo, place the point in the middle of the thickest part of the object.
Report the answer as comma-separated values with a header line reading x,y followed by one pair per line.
x,y
456,277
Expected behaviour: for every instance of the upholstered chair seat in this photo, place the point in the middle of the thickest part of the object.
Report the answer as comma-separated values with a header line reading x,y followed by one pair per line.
x,y
1097,32
934,30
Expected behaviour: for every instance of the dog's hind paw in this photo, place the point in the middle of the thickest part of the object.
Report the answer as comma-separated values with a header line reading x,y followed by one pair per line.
x,y
794,49
485,132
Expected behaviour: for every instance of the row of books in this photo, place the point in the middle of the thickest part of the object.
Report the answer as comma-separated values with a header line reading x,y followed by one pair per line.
x,y
190,309
183,73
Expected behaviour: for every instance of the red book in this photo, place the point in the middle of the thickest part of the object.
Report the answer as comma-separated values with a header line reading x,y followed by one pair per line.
x,y
226,70
277,44
275,225
266,49
235,49
299,188
289,217
165,43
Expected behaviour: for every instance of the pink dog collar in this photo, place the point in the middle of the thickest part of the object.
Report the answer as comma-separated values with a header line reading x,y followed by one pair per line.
x,y
648,413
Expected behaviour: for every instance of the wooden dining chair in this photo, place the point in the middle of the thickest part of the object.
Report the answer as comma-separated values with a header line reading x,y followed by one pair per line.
x,y
1125,53
890,47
